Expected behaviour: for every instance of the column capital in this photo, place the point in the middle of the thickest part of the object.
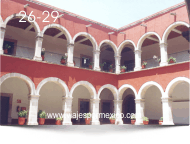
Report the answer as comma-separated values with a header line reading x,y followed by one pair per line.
x,y
67,98
163,44
94,100
118,101
139,100
137,51
96,51
39,38
70,45
166,99
3,29
117,56
30,97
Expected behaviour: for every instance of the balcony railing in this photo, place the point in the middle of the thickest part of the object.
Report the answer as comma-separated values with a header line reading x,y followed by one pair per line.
x,y
52,57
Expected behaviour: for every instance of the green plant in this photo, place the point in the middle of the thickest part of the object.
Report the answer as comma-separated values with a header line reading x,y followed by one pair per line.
x,y
159,60
172,58
64,57
161,119
133,117
101,65
41,114
145,119
91,63
123,67
59,118
22,113
144,63
7,46
87,115
43,53
112,117
111,66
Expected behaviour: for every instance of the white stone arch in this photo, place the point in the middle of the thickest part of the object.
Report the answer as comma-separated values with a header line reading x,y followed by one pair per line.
x,y
112,88
34,24
170,87
1,20
121,46
87,85
123,88
26,79
145,86
61,28
89,36
55,80
169,29
141,40
114,47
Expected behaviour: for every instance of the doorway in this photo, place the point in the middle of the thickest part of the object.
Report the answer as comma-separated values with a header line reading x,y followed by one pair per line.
x,y
84,105
4,112
106,107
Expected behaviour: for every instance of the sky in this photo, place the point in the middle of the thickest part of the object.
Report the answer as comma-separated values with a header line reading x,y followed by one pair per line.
x,y
114,13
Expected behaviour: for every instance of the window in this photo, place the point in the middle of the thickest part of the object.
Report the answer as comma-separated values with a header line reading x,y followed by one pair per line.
x,y
85,62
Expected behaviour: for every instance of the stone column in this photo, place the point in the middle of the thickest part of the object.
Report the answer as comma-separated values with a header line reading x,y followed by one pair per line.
x,y
118,111
70,50
167,111
139,103
38,48
117,64
67,110
96,54
94,108
2,39
33,110
138,60
164,54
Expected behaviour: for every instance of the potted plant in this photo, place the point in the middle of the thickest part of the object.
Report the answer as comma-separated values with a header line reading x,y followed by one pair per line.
x,y
63,59
90,65
111,68
22,117
58,120
145,120
133,119
171,60
87,118
43,53
42,116
112,119
144,64
102,65
161,121
7,46
159,60
123,68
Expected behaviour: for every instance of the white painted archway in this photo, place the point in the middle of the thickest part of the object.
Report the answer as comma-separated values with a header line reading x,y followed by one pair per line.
x,y
90,37
28,81
141,40
35,24
55,80
169,29
1,20
123,88
121,46
87,85
114,47
61,28
112,88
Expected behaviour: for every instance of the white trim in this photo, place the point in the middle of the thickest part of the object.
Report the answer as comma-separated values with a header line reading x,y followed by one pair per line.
x,y
61,28
28,81
145,86
114,47
174,82
55,80
121,46
112,88
146,35
86,84
169,29
35,24
90,37
123,88
1,20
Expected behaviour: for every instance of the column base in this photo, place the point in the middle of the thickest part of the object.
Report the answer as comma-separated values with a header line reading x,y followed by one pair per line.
x,y
95,123
37,58
119,122
163,63
32,123
67,123
137,68
70,64
97,69
139,123
168,123
117,72
1,51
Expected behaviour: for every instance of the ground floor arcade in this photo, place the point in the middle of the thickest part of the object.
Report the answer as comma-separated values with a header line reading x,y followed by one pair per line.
x,y
53,95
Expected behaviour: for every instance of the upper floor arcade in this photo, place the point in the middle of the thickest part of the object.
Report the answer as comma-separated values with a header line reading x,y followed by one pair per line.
x,y
88,44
